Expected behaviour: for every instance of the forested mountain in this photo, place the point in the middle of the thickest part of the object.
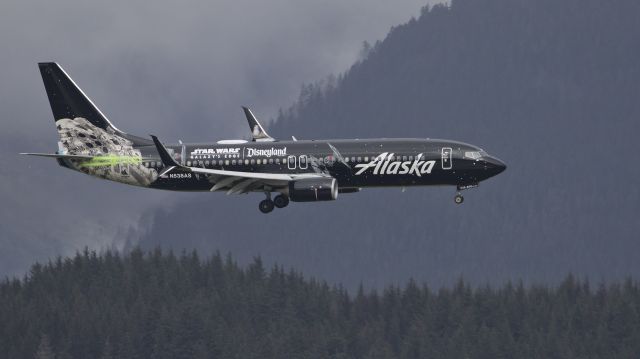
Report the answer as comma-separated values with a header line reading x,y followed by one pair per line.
x,y
552,87
159,305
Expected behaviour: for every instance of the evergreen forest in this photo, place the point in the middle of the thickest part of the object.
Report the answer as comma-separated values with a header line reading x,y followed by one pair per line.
x,y
161,305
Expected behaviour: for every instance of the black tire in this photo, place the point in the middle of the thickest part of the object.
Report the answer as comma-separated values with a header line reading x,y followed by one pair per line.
x,y
281,201
459,199
266,206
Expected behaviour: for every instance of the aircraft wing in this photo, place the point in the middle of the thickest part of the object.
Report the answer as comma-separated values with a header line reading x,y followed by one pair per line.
x,y
235,182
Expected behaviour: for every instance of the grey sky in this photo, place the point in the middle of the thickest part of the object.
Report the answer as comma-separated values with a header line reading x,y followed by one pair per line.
x,y
178,69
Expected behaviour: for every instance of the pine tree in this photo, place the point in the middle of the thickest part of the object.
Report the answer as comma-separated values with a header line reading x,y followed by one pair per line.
x,y
44,349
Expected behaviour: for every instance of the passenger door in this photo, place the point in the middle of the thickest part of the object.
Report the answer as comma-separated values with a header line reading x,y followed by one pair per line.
x,y
447,158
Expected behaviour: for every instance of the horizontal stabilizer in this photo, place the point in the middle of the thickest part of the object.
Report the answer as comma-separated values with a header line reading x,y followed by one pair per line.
x,y
56,155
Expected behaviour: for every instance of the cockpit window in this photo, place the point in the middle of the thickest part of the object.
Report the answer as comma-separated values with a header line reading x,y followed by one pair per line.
x,y
474,155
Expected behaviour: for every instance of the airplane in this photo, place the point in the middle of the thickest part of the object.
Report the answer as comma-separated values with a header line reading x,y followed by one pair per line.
x,y
293,170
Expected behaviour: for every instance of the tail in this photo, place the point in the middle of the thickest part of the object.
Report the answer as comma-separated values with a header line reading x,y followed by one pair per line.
x,y
82,127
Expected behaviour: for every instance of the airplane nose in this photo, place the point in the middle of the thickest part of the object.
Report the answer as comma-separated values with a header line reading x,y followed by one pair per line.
x,y
495,165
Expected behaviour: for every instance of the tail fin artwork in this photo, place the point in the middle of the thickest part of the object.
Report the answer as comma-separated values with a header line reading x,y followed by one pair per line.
x,y
88,141
82,127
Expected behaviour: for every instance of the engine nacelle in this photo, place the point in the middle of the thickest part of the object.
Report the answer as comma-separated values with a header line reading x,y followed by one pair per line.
x,y
313,189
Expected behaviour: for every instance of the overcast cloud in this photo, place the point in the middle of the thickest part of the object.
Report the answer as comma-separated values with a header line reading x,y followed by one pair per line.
x,y
180,70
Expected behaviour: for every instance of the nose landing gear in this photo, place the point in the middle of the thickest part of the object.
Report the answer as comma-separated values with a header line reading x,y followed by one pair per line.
x,y
458,198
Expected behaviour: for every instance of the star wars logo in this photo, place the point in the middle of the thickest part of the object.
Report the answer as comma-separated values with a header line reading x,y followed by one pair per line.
x,y
385,164
215,151
266,152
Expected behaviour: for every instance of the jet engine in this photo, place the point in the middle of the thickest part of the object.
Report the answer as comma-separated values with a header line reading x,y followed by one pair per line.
x,y
313,189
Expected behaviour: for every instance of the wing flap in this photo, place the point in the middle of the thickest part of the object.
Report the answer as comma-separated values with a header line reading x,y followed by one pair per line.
x,y
240,174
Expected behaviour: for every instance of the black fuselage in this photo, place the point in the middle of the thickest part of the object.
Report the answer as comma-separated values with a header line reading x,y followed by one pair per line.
x,y
299,171
354,163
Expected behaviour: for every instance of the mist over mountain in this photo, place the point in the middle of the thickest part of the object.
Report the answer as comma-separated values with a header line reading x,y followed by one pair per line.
x,y
551,87
180,70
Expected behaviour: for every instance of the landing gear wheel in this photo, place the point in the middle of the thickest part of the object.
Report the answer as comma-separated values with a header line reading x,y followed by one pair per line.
x,y
281,201
266,206
459,199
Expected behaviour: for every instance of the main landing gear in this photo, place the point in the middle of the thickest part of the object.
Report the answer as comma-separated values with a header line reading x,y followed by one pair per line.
x,y
267,205
458,199
281,201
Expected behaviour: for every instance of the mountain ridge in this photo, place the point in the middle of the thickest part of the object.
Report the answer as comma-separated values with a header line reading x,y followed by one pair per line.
x,y
549,87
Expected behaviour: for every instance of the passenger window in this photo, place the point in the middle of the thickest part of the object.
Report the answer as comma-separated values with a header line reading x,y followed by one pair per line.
x,y
277,161
410,158
188,163
226,162
303,162
253,162
233,162
270,161
359,159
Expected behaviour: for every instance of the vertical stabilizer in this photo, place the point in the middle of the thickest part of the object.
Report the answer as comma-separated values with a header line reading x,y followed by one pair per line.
x,y
67,100
73,110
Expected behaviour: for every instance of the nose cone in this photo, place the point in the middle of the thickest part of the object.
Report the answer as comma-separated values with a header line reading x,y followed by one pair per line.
x,y
494,165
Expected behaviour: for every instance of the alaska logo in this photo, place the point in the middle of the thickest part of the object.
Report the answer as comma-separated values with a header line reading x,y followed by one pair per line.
x,y
267,152
384,165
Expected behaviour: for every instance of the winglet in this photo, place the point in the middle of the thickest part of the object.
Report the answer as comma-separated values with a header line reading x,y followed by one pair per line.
x,y
166,158
257,131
